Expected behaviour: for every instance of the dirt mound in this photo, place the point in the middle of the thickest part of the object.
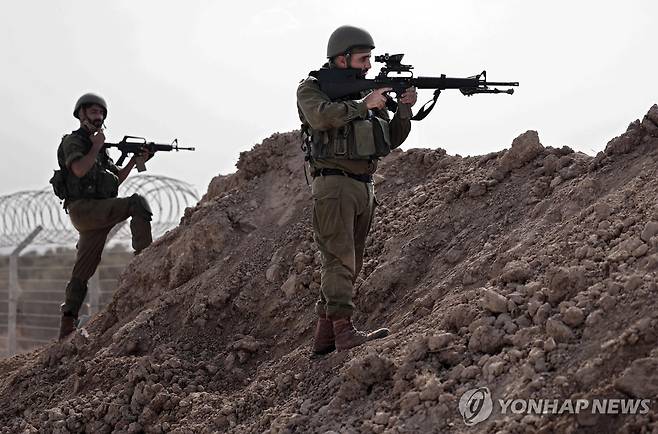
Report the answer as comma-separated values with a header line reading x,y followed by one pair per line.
x,y
531,271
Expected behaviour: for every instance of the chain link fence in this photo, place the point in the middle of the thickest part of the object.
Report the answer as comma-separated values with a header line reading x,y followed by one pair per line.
x,y
42,280
32,284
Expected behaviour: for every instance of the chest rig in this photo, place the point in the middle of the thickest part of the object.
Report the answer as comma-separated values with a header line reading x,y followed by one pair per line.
x,y
361,139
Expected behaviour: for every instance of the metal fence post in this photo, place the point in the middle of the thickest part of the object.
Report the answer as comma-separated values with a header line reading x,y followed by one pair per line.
x,y
15,290
94,293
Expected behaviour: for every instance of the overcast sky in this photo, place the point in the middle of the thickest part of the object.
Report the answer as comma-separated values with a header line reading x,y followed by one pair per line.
x,y
221,76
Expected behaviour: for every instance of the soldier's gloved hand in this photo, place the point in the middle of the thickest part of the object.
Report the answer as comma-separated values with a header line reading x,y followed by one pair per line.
x,y
410,96
376,99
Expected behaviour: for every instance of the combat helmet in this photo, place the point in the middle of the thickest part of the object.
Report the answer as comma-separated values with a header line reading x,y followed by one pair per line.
x,y
345,38
89,98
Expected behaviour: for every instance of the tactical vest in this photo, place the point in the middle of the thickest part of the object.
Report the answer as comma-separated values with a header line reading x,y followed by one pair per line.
x,y
366,139
98,183
360,139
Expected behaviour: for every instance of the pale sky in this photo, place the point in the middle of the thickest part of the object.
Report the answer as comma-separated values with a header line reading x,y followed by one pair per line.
x,y
221,76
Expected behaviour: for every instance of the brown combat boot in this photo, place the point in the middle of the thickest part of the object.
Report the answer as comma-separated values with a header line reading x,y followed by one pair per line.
x,y
348,337
323,341
66,326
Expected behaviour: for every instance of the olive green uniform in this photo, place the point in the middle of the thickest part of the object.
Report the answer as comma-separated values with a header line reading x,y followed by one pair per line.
x,y
343,207
94,209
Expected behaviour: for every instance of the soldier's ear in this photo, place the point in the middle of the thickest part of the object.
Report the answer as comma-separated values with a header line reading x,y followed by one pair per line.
x,y
340,61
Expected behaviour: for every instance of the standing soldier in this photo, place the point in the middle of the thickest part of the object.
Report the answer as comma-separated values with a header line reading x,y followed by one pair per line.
x,y
345,138
88,182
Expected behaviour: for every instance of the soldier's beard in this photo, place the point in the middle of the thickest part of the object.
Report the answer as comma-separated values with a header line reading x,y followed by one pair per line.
x,y
92,125
362,72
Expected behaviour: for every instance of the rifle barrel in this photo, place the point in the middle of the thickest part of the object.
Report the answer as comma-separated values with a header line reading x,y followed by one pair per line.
x,y
443,82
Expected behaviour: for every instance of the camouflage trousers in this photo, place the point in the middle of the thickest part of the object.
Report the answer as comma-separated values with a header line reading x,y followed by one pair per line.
x,y
93,219
343,209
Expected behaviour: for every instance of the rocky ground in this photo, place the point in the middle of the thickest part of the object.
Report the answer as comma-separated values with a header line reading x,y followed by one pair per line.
x,y
531,271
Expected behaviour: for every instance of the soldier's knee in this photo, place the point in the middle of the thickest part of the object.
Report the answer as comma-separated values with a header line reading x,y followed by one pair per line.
x,y
140,207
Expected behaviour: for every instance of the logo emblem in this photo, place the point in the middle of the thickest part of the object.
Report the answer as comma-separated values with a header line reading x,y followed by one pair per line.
x,y
475,405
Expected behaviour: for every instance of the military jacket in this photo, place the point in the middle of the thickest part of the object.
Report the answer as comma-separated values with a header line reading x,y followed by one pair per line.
x,y
321,113
100,182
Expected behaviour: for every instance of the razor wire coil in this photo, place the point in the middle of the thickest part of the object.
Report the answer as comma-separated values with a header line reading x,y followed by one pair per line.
x,y
22,212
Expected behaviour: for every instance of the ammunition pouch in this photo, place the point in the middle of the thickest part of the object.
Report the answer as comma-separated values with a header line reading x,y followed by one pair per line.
x,y
96,184
358,140
107,185
362,139
382,137
58,181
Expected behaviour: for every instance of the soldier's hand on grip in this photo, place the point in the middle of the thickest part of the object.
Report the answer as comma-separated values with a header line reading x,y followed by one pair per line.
x,y
376,99
145,154
409,96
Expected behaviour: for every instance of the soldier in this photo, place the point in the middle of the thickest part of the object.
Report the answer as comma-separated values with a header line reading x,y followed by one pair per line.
x,y
89,181
345,139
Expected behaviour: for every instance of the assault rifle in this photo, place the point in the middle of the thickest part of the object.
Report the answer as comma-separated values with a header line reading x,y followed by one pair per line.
x,y
137,145
339,83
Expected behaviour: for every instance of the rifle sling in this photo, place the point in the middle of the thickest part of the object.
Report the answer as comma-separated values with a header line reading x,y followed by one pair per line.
x,y
423,112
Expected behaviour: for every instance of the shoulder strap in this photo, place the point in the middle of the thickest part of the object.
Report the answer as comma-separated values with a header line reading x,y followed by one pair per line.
x,y
423,112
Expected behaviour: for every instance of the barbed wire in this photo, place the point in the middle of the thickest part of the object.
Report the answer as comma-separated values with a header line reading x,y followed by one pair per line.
x,y
23,211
